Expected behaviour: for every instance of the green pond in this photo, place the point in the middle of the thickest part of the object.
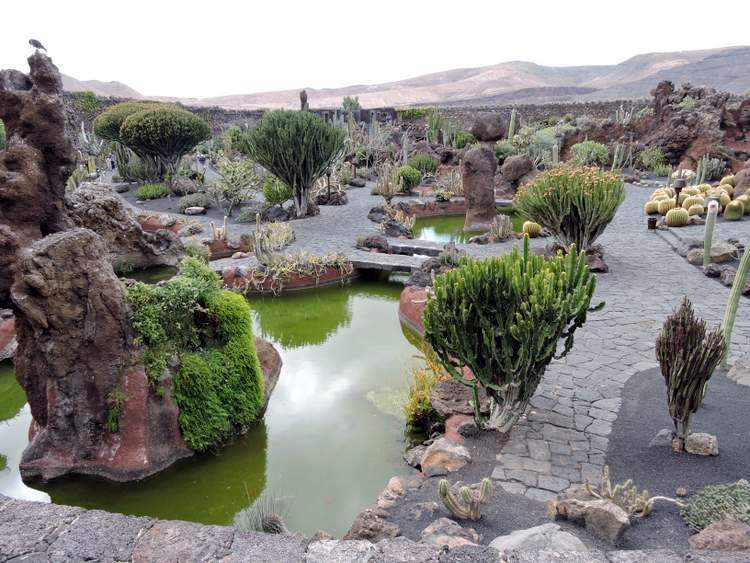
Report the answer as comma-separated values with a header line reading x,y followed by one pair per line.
x,y
451,228
333,434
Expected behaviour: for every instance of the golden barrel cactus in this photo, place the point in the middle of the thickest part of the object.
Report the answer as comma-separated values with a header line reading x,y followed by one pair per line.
x,y
665,205
696,209
734,211
532,229
677,217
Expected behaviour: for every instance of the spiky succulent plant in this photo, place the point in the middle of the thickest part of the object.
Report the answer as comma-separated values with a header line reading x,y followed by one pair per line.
x,y
466,505
734,211
532,229
677,217
687,355
665,205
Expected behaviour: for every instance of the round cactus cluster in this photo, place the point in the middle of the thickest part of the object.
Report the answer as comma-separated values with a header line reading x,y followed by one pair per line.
x,y
694,201
532,229
677,217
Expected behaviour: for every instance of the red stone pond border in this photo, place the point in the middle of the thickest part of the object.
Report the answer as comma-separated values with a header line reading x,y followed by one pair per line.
x,y
252,282
411,308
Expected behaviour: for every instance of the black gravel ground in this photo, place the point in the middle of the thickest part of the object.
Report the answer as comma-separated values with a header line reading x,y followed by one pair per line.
x,y
644,412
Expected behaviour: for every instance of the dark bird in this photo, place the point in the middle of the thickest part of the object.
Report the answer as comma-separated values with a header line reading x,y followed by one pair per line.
x,y
36,44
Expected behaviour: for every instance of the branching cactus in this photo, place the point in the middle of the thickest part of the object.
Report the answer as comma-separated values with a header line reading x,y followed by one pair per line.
x,y
466,505
708,234
740,280
687,356
503,319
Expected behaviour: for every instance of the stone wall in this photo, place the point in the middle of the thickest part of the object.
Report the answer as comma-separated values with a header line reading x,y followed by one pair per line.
x,y
35,531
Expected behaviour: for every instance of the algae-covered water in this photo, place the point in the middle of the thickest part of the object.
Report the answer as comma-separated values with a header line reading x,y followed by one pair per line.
x,y
451,228
332,436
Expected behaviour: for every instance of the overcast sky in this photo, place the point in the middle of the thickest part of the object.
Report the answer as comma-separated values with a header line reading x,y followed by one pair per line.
x,y
217,47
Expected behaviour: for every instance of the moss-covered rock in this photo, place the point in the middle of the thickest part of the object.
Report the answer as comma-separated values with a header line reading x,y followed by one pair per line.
x,y
219,383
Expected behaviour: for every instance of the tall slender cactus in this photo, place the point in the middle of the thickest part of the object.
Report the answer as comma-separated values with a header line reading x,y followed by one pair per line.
x,y
513,123
740,279
708,233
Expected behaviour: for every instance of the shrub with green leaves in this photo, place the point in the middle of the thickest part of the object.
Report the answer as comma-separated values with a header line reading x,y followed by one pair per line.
x,y
164,133
729,501
424,162
275,191
504,149
652,158
503,318
86,102
3,136
350,104
574,203
410,177
152,191
412,114
219,385
237,181
688,102
199,199
107,125
589,153
297,147
464,138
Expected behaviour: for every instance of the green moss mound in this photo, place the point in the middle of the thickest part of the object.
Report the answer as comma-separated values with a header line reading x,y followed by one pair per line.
x,y
219,385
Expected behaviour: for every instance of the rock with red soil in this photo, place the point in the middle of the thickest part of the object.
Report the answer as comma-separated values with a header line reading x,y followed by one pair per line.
x,y
478,171
126,241
75,352
8,342
725,535
37,160
742,181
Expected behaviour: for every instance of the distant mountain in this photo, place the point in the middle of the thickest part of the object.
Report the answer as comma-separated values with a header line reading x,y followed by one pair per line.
x,y
111,89
511,82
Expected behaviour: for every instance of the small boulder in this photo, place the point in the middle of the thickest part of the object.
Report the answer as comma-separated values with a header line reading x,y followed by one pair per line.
x,y
515,167
377,214
445,531
195,210
720,252
370,524
357,183
392,228
377,242
275,214
725,535
413,456
182,185
239,255
702,443
547,537
601,517
490,128
445,454
450,397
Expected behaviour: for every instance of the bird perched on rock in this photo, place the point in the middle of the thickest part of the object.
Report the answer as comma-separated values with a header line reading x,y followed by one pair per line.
x,y
36,44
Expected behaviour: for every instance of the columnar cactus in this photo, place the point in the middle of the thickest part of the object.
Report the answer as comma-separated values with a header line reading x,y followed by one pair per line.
x,y
467,504
532,229
740,279
687,356
708,233
677,217
512,123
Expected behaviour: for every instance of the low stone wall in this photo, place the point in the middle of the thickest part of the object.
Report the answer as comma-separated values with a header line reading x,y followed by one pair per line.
x,y
240,277
34,531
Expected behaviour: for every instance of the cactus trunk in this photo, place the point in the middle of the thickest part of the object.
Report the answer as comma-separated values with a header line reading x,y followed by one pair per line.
x,y
740,279
708,234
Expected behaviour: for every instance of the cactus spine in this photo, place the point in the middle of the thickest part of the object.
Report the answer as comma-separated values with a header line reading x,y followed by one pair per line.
x,y
740,279
708,234
512,124
467,504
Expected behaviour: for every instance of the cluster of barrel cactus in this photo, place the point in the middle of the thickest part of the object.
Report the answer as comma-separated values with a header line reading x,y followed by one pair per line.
x,y
677,217
466,505
532,229
687,355
694,200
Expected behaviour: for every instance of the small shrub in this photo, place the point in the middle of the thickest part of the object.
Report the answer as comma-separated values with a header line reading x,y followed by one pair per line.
x,y
389,182
423,162
688,102
412,114
152,191
410,177
86,102
200,199
195,248
418,410
730,501
661,170
236,184
115,401
652,157
350,104
504,149
464,138
442,195
574,203
451,182
275,192
589,153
